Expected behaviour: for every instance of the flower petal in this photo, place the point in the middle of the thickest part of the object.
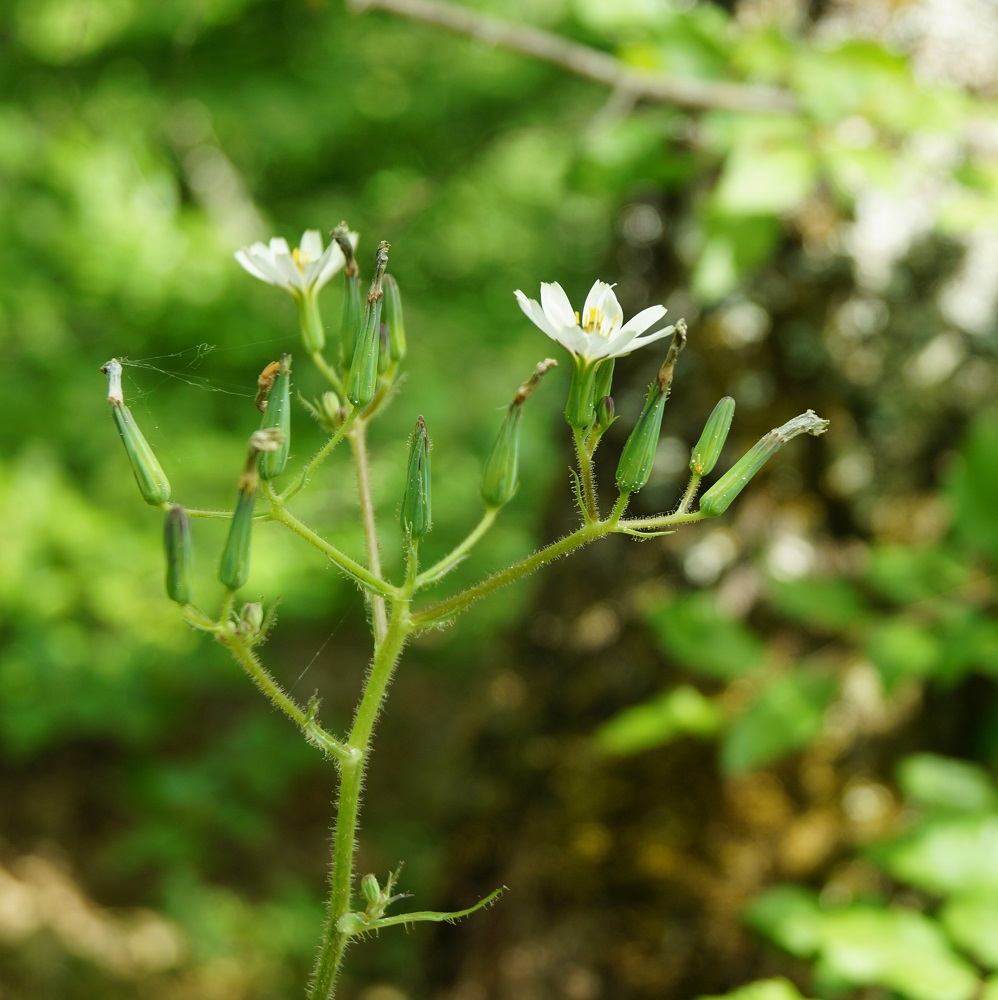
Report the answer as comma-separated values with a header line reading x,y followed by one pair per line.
x,y
644,319
556,306
251,263
533,311
310,247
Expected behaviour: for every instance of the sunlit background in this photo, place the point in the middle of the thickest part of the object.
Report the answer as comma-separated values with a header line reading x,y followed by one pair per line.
x,y
758,749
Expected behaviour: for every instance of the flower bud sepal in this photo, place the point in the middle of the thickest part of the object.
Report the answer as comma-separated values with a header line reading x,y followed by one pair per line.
x,y
313,333
580,411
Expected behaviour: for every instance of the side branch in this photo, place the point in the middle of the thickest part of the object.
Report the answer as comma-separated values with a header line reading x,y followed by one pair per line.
x,y
588,62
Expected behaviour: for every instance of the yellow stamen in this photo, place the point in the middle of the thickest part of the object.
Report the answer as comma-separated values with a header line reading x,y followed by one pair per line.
x,y
301,259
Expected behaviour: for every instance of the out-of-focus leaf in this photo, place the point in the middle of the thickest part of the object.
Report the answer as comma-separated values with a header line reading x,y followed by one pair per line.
x,y
947,855
898,949
790,916
830,604
902,649
972,922
692,630
905,574
763,179
972,487
733,246
765,989
787,715
945,783
680,712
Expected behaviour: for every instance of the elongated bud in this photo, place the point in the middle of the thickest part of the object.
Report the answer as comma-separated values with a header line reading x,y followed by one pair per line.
x,y
580,410
384,359
149,474
707,450
392,316
353,316
233,570
371,890
636,460
178,546
603,386
313,333
362,379
415,516
500,477
604,413
638,455
720,496
278,416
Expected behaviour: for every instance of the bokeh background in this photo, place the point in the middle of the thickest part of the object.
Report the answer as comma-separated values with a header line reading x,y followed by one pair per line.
x,y
758,750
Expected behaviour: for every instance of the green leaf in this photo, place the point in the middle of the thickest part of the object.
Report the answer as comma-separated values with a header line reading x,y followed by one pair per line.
x,y
903,649
946,855
972,923
788,714
972,488
733,246
898,949
760,179
830,604
789,916
764,989
905,574
692,630
946,783
671,714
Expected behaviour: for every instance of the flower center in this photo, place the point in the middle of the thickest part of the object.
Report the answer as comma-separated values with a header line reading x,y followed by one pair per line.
x,y
301,259
594,322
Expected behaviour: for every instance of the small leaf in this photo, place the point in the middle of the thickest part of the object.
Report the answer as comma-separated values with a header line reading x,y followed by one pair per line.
x,y
671,714
972,923
946,783
765,989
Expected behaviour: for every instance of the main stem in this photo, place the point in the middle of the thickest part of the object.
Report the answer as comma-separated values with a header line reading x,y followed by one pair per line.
x,y
386,656
358,441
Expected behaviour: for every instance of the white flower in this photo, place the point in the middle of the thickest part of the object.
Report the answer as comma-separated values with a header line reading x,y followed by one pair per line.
x,y
301,271
599,333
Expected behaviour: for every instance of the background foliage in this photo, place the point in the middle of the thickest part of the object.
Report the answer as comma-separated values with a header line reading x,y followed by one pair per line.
x,y
760,751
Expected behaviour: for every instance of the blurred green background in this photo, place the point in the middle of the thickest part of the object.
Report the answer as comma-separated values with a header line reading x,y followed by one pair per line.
x,y
759,751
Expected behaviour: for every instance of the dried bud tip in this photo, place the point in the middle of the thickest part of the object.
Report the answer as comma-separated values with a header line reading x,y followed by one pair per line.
x,y
527,389
113,372
265,439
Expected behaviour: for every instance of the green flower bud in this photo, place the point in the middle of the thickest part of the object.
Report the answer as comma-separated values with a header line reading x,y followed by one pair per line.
x,y
371,890
149,474
720,496
636,460
177,544
707,450
353,316
580,409
251,618
384,359
603,385
604,413
278,416
233,570
392,315
499,480
415,516
313,333
362,379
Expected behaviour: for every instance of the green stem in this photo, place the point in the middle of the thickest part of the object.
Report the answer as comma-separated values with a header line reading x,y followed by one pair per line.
x,y
262,678
334,942
449,561
358,442
445,609
351,567
590,509
659,521
691,492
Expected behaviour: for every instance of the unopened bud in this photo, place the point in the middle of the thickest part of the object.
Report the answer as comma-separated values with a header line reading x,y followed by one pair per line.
x,y
603,385
604,413
251,618
277,416
636,460
362,379
392,316
370,889
720,496
233,570
707,450
149,474
353,316
415,516
177,544
499,479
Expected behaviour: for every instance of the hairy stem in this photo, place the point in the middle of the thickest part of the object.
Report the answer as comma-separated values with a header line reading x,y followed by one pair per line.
x,y
358,441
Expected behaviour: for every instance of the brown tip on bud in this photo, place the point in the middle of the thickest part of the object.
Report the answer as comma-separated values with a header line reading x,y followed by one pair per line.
x,y
675,349
265,383
341,235
526,390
